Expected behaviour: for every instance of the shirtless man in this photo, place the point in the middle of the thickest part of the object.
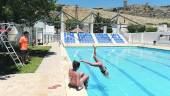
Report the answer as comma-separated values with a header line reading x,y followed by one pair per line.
x,y
77,79
98,63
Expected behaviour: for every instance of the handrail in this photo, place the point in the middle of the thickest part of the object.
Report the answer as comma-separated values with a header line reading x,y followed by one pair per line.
x,y
4,24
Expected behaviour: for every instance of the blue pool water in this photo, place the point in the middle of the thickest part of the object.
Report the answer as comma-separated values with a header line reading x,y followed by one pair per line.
x,y
133,71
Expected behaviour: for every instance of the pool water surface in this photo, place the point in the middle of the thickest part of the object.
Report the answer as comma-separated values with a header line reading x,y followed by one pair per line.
x,y
133,71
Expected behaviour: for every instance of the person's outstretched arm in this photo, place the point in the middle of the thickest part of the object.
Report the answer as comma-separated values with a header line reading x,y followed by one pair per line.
x,y
86,62
92,64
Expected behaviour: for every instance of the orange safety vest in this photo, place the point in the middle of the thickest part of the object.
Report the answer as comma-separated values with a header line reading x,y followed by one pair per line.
x,y
23,43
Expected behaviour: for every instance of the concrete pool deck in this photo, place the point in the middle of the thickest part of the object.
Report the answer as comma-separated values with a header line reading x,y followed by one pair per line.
x,y
50,79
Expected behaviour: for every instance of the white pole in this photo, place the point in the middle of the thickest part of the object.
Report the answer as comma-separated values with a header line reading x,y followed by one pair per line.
x,y
142,41
77,28
92,23
62,22
62,27
104,29
118,24
36,36
130,37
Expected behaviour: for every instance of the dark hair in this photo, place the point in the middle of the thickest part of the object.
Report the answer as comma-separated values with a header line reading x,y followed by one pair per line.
x,y
25,32
76,65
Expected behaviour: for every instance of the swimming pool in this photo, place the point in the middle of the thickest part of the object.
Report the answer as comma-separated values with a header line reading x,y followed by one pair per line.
x,y
133,71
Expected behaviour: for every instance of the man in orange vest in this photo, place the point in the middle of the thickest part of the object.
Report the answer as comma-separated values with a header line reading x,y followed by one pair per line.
x,y
23,45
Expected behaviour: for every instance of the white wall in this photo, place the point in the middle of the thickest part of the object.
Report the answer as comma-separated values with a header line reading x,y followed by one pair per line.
x,y
44,32
162,28
121,28
46,28
49,29
39,24
146,37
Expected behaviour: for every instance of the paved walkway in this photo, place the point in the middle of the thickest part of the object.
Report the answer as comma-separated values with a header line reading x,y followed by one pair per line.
x,y
56,68
50,79
53,69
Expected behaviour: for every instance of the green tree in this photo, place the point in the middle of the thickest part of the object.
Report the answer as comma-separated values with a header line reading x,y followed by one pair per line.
x,y
132,28
136,28
72,23
109,29
100,22
30,10
140,28
5,10
151,29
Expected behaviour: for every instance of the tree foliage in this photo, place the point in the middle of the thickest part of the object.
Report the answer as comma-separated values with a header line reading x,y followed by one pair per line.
x,y
109,29
28,10
140,28
100,22
136,28
132,28
151,29
72,23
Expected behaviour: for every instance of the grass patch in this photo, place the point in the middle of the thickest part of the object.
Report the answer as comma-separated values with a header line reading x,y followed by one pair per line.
x,y
36,54
31,66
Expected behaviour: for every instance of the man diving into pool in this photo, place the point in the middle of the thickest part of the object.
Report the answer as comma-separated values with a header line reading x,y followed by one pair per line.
x,y
98,63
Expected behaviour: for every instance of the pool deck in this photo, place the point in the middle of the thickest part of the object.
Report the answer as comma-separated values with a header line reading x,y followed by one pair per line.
x,y
51,78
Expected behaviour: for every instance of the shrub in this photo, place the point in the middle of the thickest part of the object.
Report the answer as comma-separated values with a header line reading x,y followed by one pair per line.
x,y
109,29
136,28
168,24
151,29
132,28
140,28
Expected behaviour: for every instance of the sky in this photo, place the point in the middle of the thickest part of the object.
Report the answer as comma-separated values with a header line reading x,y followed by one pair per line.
x,y
111,3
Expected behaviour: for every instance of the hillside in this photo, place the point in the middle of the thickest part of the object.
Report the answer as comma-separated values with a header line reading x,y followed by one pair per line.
x,y
83,12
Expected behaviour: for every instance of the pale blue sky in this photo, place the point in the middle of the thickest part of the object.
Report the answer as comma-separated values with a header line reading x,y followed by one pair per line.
x,y
111,3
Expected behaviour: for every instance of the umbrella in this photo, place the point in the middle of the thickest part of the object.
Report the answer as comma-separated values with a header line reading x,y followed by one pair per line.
x,y
3,30
77,30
